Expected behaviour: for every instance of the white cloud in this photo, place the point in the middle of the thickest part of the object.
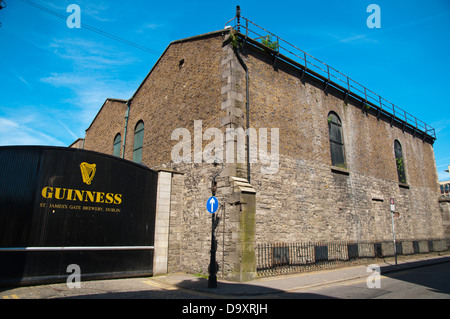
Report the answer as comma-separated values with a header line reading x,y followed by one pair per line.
x,y
88,95
441,125
93,9
14,133
90,55
65,79
92,75
149,27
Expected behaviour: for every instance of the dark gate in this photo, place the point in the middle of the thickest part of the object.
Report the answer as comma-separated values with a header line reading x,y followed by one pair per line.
x,y
63,206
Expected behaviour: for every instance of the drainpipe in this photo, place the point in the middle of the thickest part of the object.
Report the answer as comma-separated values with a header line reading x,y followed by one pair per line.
x,y
247,108
127,113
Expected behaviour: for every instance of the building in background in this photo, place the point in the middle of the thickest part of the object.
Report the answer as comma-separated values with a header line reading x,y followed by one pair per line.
x,y
444,202
445,186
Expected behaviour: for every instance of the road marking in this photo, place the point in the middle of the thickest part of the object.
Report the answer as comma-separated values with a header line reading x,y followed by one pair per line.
x,y
152,283
158,285
13,296
339,282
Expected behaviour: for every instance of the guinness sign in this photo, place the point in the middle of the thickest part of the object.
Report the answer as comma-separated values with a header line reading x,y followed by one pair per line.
x,y
60,198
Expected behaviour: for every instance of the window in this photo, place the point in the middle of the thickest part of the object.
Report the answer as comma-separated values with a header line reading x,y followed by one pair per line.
x,y
117,144
399,162
138,141
336,141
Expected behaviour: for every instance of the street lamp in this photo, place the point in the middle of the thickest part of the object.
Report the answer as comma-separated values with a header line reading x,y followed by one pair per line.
x,y
213,266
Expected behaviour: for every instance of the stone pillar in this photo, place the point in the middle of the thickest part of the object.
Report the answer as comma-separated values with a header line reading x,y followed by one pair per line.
x,y
243,213
233,103
239,240
161,244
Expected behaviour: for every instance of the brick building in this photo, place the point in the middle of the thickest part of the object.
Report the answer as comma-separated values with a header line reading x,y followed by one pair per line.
x,y
341,154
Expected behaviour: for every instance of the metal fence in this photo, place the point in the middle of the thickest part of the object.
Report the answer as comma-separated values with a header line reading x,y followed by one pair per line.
x,y
278,258
331,76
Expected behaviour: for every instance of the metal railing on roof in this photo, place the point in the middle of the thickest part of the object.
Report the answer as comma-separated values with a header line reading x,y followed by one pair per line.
x,y
330,75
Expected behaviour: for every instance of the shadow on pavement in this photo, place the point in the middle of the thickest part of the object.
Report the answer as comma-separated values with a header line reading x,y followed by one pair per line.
x,y
197,289
436,276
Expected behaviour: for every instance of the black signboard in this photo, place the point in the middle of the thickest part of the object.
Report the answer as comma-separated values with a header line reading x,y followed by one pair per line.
x,y
64,206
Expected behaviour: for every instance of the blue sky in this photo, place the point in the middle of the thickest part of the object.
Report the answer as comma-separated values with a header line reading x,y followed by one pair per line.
x,y
55,79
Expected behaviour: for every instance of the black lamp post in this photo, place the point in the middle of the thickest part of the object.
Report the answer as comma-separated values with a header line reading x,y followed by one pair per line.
x,y
213,266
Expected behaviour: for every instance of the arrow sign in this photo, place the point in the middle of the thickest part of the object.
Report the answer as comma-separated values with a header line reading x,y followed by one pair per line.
x,y
212,204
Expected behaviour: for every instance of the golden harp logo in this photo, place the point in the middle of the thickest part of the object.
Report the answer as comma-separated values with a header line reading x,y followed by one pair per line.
x,y
87,172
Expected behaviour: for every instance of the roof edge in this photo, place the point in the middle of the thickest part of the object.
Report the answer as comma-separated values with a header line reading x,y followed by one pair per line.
x,y
193,38
107,99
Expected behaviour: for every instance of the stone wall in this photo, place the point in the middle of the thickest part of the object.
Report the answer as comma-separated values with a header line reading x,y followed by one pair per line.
x,y
190,223
306,201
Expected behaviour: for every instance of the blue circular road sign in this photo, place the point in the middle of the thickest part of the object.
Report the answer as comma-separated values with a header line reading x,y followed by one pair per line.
x,y
212,204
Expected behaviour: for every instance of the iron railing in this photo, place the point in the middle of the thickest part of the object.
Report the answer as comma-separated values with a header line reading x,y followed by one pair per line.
x,y
329,75
278,258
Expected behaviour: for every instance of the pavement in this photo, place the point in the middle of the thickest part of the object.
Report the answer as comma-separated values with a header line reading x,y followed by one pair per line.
x,y
186,286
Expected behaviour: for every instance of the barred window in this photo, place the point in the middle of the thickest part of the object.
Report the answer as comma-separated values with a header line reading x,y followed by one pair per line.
x,y
138,142
399,162
336,140
117,144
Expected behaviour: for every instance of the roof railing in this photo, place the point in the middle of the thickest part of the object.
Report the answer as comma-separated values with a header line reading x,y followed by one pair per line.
x,y
327,73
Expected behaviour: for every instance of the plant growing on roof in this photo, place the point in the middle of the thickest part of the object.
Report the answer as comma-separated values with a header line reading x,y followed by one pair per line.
x,y
234,39
267,41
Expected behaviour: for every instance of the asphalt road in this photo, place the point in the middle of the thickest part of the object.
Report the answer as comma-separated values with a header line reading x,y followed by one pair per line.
x,y
429,282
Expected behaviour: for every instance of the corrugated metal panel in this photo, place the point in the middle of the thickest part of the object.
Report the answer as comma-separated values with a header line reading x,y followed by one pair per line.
x,y
19,173
46,202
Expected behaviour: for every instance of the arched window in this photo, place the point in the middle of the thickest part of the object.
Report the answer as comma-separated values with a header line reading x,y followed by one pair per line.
x,y
336,140
117,144
399,162
138,142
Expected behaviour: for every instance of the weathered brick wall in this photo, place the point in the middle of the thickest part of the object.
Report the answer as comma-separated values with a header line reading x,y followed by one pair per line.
x,y
175,94
109,121
200,79
307,200
185,85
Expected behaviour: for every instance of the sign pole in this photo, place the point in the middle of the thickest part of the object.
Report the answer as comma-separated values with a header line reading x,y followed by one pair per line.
x,y
212,205
393,229
212,279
